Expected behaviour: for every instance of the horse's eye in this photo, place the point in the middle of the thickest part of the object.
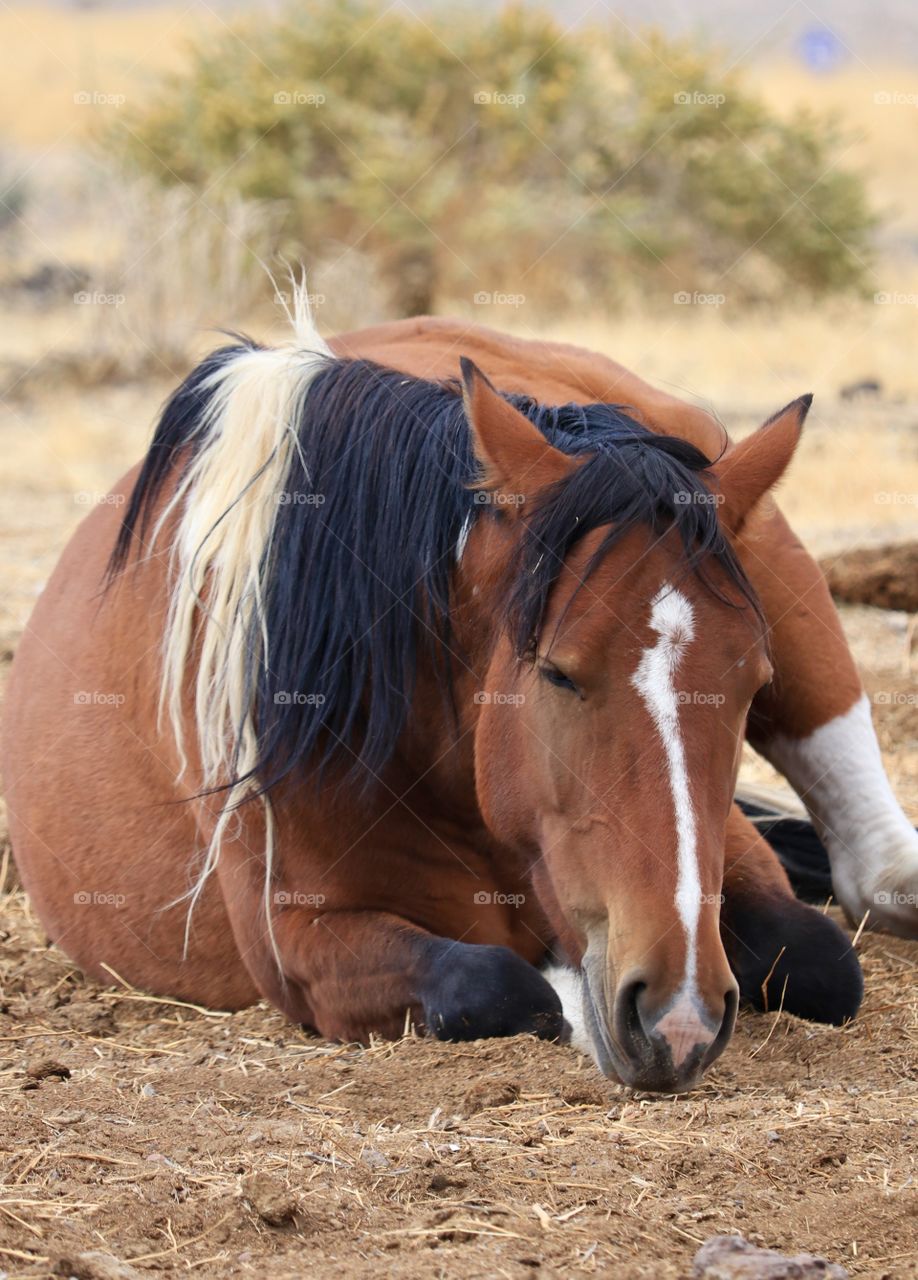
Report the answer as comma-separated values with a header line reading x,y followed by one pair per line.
x,y
557,678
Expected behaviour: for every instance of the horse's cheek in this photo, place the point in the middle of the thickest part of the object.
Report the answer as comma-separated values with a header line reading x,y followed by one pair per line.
x,y
504,786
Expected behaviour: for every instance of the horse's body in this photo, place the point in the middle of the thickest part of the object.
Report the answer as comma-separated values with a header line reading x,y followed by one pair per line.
x,y
435,891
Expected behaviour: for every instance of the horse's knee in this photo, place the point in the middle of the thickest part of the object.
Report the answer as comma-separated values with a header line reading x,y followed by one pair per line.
x,y
787,955
473,992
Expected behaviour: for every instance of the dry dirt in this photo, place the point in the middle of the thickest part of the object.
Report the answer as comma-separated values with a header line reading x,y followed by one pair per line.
x,y
177,1140
885,576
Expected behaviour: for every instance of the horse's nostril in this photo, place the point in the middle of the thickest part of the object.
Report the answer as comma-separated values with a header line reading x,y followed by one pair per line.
x,y
628,1023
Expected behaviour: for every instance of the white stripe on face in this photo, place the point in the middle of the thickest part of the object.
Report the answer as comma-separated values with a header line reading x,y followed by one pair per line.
x,y
673,619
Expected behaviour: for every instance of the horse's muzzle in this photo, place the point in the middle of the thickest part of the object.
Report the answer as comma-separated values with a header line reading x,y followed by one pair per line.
x,y
661,1050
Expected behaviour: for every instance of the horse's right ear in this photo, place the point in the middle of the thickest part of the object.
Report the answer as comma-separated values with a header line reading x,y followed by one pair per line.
x,y
516,459
752,467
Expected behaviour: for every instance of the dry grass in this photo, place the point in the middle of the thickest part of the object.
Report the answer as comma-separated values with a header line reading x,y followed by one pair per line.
x,y
234,1145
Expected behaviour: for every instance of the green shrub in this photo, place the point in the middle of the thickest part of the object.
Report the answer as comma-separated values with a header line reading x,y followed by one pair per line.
x,y
480,152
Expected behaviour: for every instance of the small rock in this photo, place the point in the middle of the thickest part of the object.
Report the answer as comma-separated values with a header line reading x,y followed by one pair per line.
x,y
864,389
271,1199
489,1093
95,1265
46,1069
375,1159
444,1182
584,1095
148,1091
67,1117
733,1258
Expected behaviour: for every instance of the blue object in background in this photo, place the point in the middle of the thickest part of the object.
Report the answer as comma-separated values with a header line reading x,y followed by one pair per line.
x,y
821,50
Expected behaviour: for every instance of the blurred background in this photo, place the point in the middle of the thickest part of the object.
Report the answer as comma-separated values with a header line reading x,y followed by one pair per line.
x,y
723,197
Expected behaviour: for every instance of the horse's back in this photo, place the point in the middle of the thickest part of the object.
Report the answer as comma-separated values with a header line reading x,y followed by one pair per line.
x,y
553,372
102,839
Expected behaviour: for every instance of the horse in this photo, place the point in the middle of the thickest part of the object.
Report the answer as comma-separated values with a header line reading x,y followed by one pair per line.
x,y
391,696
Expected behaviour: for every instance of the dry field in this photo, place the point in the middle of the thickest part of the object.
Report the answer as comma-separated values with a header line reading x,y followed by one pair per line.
x,y
163,1138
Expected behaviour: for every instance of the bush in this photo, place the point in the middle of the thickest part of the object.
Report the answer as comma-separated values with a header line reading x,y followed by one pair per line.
x,y
474,152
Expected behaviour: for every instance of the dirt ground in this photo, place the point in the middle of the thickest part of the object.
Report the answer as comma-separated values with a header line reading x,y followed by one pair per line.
x,y
178,1140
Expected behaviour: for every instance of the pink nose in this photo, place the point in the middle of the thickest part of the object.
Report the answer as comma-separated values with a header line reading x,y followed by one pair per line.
x,y
669,1046
684,1030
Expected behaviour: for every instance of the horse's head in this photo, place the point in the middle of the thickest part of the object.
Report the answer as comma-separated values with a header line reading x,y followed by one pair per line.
x,y
626,650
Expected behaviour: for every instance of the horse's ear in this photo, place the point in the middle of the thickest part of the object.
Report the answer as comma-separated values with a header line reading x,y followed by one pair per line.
x,y
752,467
516,459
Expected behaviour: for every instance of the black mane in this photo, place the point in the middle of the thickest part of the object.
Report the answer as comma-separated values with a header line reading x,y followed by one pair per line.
x,y
358,583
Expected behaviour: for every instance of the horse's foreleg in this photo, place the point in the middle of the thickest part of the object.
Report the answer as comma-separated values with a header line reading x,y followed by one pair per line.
x,y
353,973
350,973
783,953
813,724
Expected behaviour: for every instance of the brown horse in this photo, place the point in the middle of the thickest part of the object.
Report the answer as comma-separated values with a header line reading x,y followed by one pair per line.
x,y
397,688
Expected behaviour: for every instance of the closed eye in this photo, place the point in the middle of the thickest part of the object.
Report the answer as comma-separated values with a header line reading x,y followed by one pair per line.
x,y
557,678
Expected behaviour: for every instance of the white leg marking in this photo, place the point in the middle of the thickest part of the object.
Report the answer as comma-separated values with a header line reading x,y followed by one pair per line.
x,y
673,619
838,772
568,983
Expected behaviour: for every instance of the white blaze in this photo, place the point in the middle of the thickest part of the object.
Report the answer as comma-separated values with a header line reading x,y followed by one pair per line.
x,y
673,619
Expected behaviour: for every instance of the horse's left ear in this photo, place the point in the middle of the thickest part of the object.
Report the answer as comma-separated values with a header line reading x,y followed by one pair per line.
x,y
516,459
751,468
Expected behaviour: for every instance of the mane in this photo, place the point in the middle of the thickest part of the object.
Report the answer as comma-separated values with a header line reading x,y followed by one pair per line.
x,y
313,508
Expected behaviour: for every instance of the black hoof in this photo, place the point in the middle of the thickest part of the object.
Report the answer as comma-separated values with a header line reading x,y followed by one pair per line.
x,y
473,992
788,955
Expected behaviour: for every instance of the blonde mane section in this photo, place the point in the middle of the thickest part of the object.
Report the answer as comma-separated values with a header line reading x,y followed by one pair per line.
x,y
226,505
